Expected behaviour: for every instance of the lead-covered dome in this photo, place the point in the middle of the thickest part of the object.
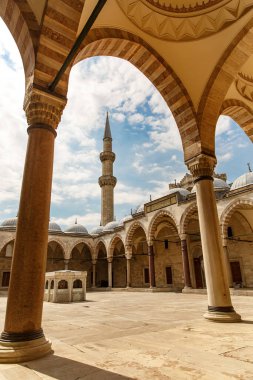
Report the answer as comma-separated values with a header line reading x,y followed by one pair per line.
x,y
183,192
218,185
10,223
110,226
54,227
76,229
98,230
242,181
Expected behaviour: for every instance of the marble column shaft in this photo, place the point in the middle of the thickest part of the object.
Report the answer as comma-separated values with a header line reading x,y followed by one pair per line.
x,y
186,266
151,258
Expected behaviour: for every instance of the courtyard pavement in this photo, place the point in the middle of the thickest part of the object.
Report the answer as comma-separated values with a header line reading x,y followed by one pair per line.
x,y
146,336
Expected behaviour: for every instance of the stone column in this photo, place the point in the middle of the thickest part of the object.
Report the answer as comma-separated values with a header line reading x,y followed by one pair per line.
x,y
228,267
151,260
220,307
66,264
23,338
185,258
128,282
94,274
109,259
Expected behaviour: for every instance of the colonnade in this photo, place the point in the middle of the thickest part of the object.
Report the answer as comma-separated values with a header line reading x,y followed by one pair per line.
x,y
23,333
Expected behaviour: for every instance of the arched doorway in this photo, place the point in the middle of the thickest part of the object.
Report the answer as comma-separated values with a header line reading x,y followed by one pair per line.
x,y
119,266
168,257
101,266
55,257
81,260
5,264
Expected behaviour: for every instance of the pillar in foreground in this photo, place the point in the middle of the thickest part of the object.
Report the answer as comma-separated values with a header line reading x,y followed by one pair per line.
x,y
220,307
185,259
151,260
23,338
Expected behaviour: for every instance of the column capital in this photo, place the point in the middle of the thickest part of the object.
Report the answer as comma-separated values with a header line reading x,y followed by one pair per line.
x,y
201,166
42,107
183,236
94,262
109,259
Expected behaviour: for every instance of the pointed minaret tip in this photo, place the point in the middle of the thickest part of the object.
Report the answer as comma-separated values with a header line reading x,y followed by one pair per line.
x,y
107,133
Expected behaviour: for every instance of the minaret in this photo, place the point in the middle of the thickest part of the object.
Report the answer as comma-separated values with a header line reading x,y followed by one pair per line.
x,y
107,181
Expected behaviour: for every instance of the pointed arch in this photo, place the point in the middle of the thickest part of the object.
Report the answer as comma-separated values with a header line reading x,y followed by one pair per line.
x,y
60,243
125,45
85,242
131,231
113,243
186,217
230,209
157,218
240,113
6,242
219,82
96,248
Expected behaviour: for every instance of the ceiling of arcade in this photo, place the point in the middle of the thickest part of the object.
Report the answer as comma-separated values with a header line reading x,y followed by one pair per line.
x,y
202,42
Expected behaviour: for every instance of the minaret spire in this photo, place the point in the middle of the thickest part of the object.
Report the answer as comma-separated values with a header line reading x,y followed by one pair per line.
x,y
107,181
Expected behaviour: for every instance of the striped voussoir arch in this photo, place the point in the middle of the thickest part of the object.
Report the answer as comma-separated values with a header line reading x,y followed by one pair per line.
x,y
187,216
24,29
57,37
121,44
161,216
230,209
240,113
131,231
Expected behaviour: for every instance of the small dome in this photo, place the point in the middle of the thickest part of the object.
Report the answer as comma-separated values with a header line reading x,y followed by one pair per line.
x,y
10,223
244,180
76,229
179,190
97,230
54,227
110,226
218,185
139,208
126,218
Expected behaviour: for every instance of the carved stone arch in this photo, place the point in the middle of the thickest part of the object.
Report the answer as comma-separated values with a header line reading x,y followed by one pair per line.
x,y
186,217
6,242
229,210
157,218
127,46
100,240
131,231
60,243
225,72
113,243
24,27
240,113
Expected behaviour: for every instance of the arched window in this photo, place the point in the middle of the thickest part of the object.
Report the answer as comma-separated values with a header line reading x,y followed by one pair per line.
x,y
77,284
63,284
230,231
46,286
9,250
52,284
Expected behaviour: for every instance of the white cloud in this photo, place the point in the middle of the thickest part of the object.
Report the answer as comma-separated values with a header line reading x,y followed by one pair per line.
x,y
225,157
223,125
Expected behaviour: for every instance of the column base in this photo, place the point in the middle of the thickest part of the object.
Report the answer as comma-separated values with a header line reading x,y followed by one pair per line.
x,y
18,352
222,314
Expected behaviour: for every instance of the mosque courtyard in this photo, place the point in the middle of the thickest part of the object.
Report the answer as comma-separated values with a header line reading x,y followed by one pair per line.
x,y
140,335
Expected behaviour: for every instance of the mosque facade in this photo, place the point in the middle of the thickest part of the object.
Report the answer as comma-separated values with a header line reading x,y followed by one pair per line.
x,y
157,246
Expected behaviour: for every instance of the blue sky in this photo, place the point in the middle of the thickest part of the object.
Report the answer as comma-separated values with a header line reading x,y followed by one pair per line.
x,y
145,139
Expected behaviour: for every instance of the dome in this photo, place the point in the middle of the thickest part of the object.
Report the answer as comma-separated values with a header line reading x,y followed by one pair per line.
x,y
10,223
126,218
76,229
97,230
179,190
54,227
218,185
139,208
244,180
110,226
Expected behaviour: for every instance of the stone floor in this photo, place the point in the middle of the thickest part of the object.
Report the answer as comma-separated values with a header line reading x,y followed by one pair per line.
x,y
146,336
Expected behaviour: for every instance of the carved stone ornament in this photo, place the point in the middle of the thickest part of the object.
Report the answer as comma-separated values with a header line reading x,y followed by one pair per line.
x,y
107,180
183,20
201,166
42,107
244,85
